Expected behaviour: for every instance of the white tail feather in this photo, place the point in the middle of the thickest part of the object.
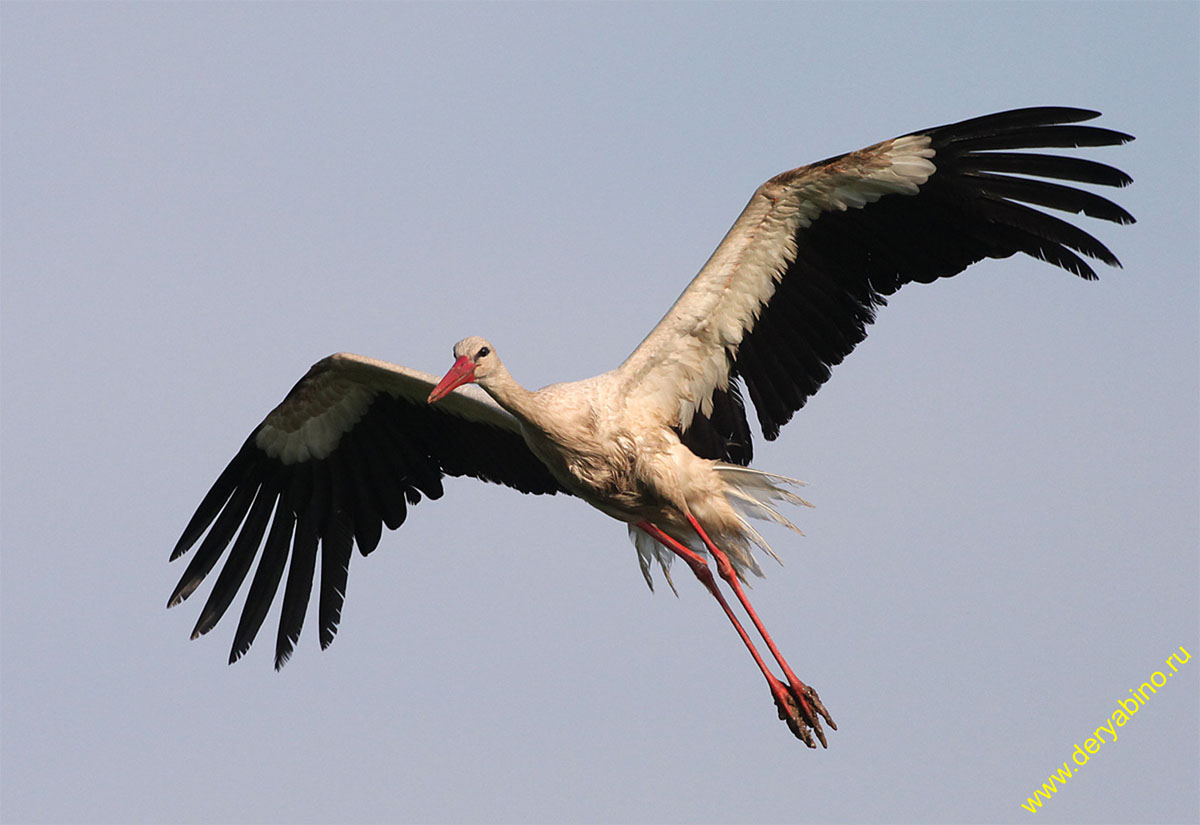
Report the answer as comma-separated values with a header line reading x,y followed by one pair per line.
x,y
770,486
761,543
750,493
649,549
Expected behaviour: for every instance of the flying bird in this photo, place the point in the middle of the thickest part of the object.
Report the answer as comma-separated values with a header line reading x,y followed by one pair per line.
x,y
662,442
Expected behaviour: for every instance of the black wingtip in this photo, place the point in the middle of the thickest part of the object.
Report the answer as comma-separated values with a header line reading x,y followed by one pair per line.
x,y
207,621
186,587
283,652
235,473
1122,138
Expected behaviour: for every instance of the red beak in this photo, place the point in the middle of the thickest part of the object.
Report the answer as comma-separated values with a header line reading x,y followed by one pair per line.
x,y
463,372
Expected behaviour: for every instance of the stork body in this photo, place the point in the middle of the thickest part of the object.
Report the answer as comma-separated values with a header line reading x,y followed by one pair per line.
x,y
626,460
662,442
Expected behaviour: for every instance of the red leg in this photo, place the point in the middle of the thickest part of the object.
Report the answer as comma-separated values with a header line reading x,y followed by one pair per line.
x,y
808,699
804,695
784,700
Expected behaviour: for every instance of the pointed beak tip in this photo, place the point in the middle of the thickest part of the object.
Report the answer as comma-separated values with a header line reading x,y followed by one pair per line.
x,y
463,372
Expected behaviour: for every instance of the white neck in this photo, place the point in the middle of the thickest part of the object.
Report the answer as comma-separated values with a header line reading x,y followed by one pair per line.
x,y
510,395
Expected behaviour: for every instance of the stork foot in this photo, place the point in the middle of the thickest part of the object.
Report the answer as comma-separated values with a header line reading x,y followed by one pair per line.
x,y
803,712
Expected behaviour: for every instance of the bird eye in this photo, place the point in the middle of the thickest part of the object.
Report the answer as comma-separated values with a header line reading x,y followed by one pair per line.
x,y
483,352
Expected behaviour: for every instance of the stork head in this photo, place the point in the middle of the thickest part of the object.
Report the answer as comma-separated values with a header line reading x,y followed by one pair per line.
x,y
474,360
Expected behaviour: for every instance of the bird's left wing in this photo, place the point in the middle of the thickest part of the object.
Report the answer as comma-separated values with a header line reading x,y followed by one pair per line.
x,y
350,448
791,289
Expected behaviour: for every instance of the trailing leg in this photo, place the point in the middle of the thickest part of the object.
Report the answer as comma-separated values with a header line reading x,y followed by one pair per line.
x,y
784,700
809,703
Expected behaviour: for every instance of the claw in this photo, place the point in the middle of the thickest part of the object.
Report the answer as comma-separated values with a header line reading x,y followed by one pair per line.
x,y
790,712
814,701
798,711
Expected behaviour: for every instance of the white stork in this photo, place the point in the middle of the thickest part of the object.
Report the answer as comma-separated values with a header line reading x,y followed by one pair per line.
x,y
662,441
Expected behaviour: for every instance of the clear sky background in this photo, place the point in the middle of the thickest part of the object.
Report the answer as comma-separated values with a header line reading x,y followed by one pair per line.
x,y
201,200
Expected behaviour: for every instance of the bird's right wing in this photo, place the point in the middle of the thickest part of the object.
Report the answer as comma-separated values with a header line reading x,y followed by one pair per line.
x,y
349,449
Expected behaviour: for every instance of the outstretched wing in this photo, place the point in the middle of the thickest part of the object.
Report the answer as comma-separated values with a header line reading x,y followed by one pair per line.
x,y
791,289
351,447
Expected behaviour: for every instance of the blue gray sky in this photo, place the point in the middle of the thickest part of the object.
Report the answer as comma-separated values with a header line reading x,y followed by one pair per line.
x,y
201,200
